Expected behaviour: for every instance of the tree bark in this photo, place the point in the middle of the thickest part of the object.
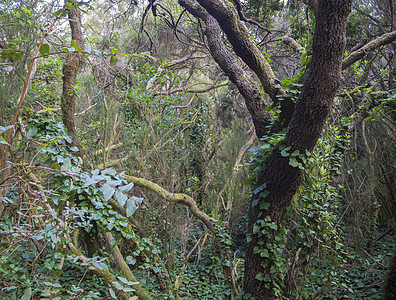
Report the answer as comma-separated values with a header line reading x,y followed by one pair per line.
x,y
70,70
310,114
231,66
227,17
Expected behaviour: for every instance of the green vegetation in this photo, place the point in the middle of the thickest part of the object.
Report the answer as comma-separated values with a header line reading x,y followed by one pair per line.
x,y
151,150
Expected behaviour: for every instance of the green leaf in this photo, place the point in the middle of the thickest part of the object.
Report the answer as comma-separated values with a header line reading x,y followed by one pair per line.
x,y
131,207
90,181
259,276
109,171
121,198
284,153
60,13
130,260
293,162
112,293
264,205
118,285
44,49
122,279
264,194
27,294
114,50
107,191
3,141
75,46
287,81
66,166
126,188
4,129
113,60
260,188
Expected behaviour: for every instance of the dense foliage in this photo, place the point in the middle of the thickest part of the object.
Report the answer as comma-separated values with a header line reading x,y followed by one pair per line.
x,y
152,202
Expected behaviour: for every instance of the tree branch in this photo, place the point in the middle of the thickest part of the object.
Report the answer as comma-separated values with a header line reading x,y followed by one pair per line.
x,y
353,57
174,197
232,68
227,16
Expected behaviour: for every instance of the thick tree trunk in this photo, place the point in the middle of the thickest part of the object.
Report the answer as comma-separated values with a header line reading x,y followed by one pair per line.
x,y
279,177
70,71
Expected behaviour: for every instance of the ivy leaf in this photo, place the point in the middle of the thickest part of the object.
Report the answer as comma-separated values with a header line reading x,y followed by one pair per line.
x,y
118,285
264,253
256,228
284,153
90,181
259,276
115,182
98,177
66,166
112,293
293,162
75,46
121,198
130,260
131,207
126,188
27,294
264,205
109,171
107,191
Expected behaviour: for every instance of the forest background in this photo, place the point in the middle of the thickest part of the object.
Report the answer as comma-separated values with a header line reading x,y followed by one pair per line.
x,y
197,149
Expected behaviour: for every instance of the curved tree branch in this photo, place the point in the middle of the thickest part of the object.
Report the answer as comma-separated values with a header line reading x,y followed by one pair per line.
x,y
174,197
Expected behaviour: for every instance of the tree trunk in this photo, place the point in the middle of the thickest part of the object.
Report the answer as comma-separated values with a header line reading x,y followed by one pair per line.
x,y
279,178
70,71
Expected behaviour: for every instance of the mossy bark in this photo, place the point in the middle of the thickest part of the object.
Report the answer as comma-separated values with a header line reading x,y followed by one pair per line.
x,y
311,111
71,67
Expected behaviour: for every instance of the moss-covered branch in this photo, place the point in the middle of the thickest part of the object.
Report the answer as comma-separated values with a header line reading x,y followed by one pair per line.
x,y
174,197
360,53
123,266
104,273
